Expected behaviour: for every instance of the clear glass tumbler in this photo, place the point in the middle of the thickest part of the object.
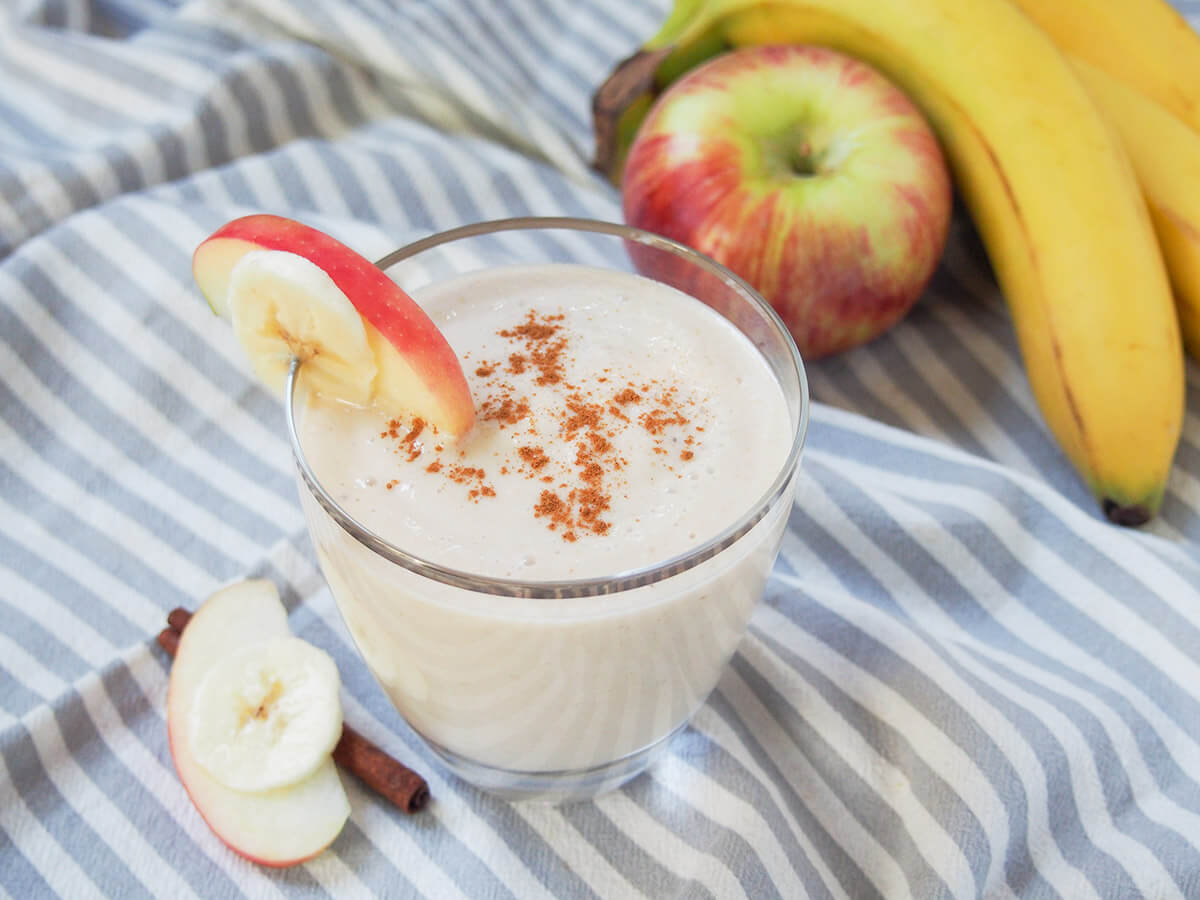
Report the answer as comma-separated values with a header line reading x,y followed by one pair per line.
x,y
558,690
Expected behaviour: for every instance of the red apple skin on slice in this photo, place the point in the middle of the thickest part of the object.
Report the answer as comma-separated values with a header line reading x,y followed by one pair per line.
x,y
429,379
280,827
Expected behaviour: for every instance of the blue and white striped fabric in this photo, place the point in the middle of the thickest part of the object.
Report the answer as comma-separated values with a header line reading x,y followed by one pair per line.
x,y
962,681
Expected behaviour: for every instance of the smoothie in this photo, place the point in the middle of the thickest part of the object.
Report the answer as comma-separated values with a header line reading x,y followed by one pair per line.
x,y
620,425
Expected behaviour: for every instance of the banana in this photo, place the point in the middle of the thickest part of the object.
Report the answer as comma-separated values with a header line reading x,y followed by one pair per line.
x,y
282,305
1146,44
1050,190
267,715
1166,157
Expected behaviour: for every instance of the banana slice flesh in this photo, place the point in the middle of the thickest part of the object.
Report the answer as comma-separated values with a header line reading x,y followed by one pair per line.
x,y
283,305
268,715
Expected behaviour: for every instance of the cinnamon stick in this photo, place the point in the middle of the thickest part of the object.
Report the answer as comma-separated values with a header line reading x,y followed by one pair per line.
x,y
168,639
384,774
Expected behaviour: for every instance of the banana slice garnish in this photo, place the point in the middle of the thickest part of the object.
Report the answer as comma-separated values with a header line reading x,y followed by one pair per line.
x,y
268,715
283,306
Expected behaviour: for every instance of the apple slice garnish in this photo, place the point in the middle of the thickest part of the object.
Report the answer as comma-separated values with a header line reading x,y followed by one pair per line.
x,y
415,369
242,685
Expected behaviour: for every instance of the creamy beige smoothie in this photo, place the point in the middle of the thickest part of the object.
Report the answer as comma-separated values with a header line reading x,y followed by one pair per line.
x,y
620,424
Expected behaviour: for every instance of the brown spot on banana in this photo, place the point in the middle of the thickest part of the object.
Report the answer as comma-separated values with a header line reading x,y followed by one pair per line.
x,y
1056,348
1070,397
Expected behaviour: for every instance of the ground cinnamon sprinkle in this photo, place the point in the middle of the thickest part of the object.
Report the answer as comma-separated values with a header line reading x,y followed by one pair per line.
x,y
657,420
583,414
534,457
592,502
533,331
472,475
578,493
552,507
592,472
463,474
549,363
414,449
507,411
544,353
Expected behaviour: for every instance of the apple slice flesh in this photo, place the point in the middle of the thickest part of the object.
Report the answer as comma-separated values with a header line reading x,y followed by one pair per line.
x,y
420,370
278,827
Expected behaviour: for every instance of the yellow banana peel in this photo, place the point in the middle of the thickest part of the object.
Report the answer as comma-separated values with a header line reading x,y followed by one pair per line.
x,y
1146,44
1166,157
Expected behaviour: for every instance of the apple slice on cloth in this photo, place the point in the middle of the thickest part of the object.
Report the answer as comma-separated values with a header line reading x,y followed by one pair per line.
x,y
278,280
252,718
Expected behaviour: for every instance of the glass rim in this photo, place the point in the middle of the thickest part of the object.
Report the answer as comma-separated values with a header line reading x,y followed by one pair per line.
x,y
565,588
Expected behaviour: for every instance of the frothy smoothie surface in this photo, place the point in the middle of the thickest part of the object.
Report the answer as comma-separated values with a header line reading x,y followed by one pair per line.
x,y
620,423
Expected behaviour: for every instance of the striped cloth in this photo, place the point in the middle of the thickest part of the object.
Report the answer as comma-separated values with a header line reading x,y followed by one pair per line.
x,y
961,682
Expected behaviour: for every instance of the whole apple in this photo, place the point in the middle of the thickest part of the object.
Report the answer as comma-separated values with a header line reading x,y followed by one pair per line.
x,y
805,172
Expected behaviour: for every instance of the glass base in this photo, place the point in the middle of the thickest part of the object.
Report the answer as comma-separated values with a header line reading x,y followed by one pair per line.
x,y
566,786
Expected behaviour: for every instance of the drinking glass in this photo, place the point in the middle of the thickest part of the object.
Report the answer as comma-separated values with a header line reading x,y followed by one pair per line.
x,y
558,690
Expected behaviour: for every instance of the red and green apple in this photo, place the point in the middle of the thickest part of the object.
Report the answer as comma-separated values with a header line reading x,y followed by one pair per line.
x,y
807,173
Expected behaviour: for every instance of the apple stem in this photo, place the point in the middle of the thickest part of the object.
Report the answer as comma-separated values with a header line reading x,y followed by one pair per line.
x,y
802,160
791,154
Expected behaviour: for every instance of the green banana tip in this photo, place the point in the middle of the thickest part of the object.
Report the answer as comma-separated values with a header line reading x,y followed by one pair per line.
x,y
684,14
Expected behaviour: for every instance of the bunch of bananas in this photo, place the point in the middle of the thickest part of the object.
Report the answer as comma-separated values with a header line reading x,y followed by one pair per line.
x,y
1072,128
